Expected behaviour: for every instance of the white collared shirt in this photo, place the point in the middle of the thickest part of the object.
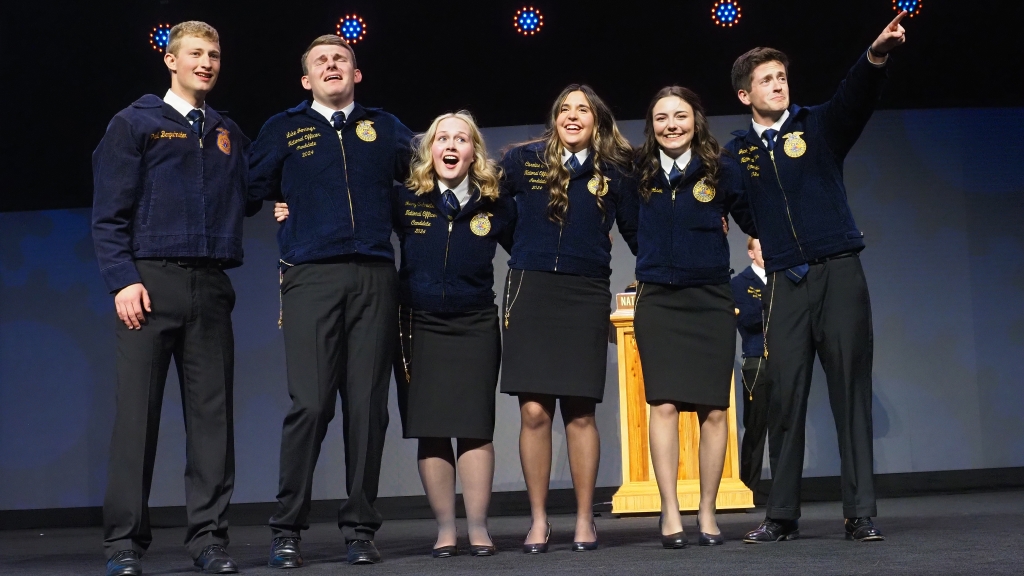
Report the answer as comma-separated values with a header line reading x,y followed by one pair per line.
x,y
327,112
681,162
760,273
777,126
461,190
581,156
181,106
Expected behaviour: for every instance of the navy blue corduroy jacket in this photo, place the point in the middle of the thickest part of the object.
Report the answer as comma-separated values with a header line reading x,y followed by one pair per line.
x,y
680,237
581,244
338,191
798,197
747,290
447,266
159,191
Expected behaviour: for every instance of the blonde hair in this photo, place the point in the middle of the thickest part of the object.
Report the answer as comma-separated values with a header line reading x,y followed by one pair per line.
x,y
190,28
483,174
328,40
607,146
750,243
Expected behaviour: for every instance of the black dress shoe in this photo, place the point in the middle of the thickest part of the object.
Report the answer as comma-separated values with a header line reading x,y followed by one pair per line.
x,y
773,531
538,548
284,553
445,551
124,563
215,560
475,550
362,552
706,539
672,541
862,530
586,546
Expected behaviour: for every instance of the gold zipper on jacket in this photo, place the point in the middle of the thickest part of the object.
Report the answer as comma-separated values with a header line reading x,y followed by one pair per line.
x,y
558,249
444,269
348,189
771,154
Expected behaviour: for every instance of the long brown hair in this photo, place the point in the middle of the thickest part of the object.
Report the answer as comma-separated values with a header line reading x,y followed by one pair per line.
x,y
607,146
703,143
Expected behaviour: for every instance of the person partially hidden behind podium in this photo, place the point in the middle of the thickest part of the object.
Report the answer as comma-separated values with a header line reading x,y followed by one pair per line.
x,y
748,290
168,206
817,300
685,321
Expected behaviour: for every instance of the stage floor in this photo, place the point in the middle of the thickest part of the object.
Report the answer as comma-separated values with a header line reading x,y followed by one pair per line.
x,y
955,534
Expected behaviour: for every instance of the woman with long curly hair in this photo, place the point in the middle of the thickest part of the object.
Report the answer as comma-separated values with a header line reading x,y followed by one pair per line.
x,y
450,217
685,319
568,186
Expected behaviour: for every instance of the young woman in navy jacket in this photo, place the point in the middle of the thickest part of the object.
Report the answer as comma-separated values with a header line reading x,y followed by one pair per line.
x,y
450,217
569,186
685,319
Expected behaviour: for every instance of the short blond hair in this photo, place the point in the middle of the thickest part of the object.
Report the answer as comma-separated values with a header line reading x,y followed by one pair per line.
x,y
327,40
750,243
483,175
190,28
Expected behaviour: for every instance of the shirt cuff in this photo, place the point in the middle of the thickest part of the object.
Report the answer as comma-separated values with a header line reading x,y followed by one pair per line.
x,y
120,275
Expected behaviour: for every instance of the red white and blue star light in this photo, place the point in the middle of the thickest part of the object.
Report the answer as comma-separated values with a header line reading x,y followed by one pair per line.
x,y
726,13
913,7
160,36
528,21
352,28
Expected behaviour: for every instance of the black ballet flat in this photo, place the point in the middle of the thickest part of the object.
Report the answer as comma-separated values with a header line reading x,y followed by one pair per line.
x,y
586,546
445,551
672,541
706,539
478,550
538,548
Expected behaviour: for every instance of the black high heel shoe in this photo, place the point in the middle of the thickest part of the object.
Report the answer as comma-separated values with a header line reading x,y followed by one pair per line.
x,y
445,551
586,546
672,541
538,548
709,539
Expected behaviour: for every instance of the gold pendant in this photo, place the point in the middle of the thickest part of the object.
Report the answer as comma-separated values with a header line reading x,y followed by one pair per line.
x,y
702,192
795,145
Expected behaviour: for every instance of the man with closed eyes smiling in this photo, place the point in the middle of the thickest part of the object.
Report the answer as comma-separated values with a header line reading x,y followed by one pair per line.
x,y
334,163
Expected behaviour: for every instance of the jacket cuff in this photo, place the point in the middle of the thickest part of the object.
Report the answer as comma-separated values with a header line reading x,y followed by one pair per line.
x,y
120,275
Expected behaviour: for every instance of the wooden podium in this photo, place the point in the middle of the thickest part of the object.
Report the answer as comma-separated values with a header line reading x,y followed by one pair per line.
x,y
639,491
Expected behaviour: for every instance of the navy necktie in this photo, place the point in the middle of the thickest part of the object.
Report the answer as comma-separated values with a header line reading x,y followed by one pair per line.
x,y
196,118
675,176
451,204
769,138
573,163
338,120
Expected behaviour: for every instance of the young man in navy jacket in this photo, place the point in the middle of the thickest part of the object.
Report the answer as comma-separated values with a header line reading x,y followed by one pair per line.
x,y
748,288
169,199
817,300
334,163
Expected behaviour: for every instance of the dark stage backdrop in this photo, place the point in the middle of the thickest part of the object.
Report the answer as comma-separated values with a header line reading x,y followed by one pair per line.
x,y
938,193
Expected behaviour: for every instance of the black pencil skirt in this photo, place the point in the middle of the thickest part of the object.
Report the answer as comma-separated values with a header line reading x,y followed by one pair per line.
x,y
447,372
686,337
556,338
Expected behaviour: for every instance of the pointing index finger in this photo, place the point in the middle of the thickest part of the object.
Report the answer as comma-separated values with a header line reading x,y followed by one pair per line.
x,y
894,25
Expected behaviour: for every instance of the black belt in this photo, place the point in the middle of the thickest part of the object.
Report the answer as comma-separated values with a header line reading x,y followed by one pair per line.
x,y
839,256
194,262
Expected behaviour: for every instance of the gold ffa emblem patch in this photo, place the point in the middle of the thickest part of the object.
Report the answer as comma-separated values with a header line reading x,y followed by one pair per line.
x,y
702,192
795,145
480,224
597,186
224,141
365,131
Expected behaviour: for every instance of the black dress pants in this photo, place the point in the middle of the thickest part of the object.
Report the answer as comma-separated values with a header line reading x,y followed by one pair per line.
x,y
191,323
759,423
340,323
828,314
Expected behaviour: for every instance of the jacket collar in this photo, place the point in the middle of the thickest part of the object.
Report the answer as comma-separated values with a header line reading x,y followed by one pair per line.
x,y
693,168
749,274
306,108
211,119
751,137
472,204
